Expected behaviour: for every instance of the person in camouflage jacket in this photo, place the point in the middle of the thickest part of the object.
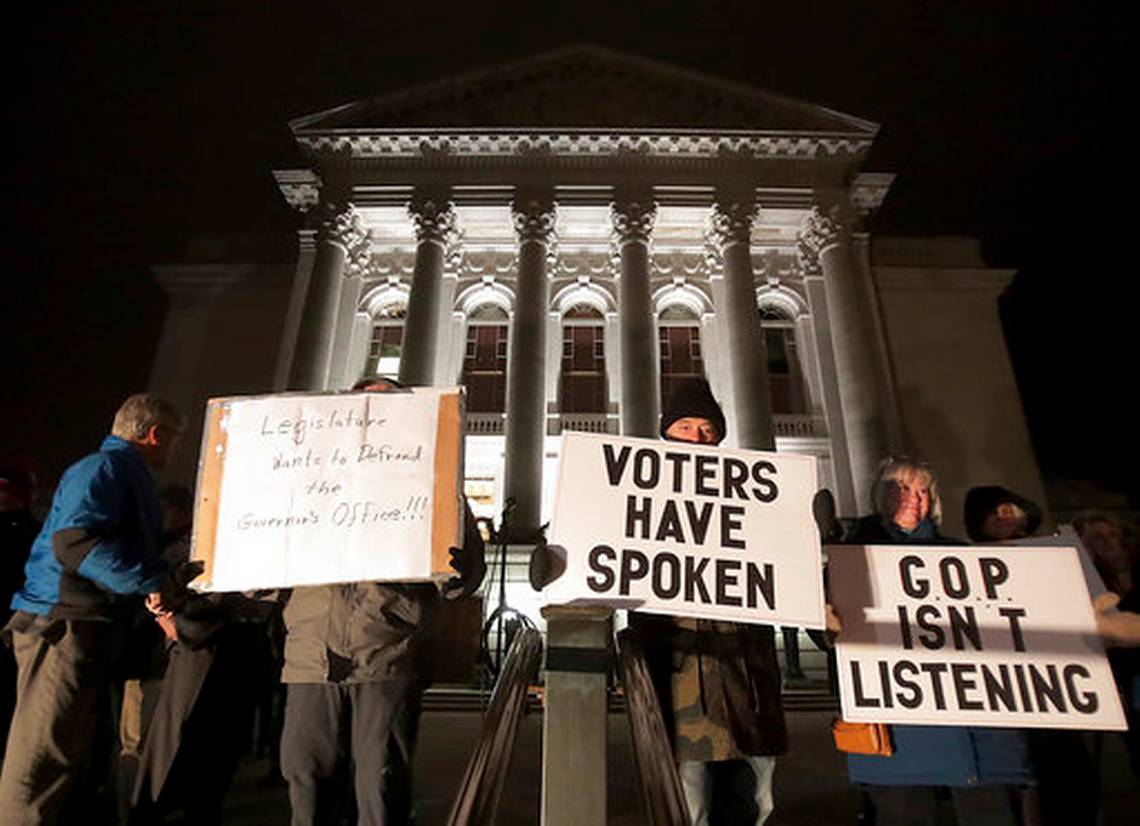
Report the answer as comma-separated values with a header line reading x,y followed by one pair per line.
x,y
718,683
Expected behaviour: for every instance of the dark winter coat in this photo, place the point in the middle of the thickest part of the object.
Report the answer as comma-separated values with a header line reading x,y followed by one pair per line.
x,y
938,755
358,632
203,719
362,632
718,684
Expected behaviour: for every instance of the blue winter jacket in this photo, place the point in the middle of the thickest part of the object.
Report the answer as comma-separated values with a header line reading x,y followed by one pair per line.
x,y
99,542
938,755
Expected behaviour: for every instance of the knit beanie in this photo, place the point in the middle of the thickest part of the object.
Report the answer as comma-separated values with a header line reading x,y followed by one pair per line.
x,y
984,500
693,399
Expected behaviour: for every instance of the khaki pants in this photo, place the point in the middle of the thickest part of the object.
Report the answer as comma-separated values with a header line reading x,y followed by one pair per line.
x,y
140,697
62,689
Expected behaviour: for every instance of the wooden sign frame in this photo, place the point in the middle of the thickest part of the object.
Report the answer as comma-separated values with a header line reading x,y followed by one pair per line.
x,y
447,500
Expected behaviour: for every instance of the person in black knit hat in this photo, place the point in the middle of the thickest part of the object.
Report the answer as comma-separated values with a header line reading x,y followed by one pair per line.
x,y
693,400
717,683
997,514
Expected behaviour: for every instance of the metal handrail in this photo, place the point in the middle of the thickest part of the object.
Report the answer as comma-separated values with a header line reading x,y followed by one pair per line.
x,y
479,794
652,753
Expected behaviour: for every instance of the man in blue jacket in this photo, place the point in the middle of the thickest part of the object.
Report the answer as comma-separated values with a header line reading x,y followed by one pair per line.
x,y
96,554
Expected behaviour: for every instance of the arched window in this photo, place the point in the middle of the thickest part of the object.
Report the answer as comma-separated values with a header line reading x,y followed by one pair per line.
x,y
387,340
582,383
485,361
785,376
679,339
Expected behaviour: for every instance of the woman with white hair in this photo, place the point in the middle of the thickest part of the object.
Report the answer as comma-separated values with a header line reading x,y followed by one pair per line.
x,y
982,769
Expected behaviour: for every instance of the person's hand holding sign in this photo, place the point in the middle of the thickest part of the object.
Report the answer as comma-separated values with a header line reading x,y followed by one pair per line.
x,y
1115,627
833,625
471,566
469,561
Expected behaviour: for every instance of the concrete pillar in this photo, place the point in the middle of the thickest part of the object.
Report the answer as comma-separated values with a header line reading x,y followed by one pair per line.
x,y
342,371
342,247
451,330
732,219
844,488
526,409
862,394
359,341
434,220
633,217
574,723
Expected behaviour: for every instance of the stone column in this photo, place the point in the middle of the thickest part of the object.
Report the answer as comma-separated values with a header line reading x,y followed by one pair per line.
x,y
731,231
843,489
434,220
343,372
526,409
861,391
574,723
633,217
342,247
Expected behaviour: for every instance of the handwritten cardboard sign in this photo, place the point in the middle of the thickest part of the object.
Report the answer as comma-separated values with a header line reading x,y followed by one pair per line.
x,y
685,529
307,489
982,636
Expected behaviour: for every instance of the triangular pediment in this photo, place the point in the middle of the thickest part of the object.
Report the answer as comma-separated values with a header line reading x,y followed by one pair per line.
x,y
585,88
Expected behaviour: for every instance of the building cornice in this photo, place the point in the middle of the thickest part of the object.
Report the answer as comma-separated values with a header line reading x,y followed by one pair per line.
x,y
368,143
300,187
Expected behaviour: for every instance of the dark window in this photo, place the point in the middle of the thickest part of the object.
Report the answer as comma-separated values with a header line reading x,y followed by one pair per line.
x,y
680,356
785,376
485,368
582,382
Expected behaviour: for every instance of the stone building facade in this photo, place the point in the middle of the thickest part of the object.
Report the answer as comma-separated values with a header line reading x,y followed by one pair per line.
x,y
570,236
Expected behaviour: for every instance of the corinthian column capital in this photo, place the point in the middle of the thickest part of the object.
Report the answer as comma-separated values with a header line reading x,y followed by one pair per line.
x,y
633,216
433,217
730,221
341,226
821,232
807,258
534,216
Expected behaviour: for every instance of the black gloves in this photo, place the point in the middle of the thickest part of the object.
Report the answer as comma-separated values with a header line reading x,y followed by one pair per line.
x,y
470,564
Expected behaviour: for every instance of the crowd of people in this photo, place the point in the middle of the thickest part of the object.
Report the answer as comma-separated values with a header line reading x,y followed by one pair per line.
x,y
134,697
126,697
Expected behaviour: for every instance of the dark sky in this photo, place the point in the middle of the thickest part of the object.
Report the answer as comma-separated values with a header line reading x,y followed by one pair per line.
x,y
132,128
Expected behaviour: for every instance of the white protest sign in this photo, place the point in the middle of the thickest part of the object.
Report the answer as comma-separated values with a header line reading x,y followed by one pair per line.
x,y
1066,537
301,489
981,636
685,529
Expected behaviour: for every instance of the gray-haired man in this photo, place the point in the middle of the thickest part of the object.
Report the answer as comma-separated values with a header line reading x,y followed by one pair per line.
x,y
95,556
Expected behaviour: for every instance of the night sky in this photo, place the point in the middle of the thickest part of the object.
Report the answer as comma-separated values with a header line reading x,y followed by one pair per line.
x,y
131,129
